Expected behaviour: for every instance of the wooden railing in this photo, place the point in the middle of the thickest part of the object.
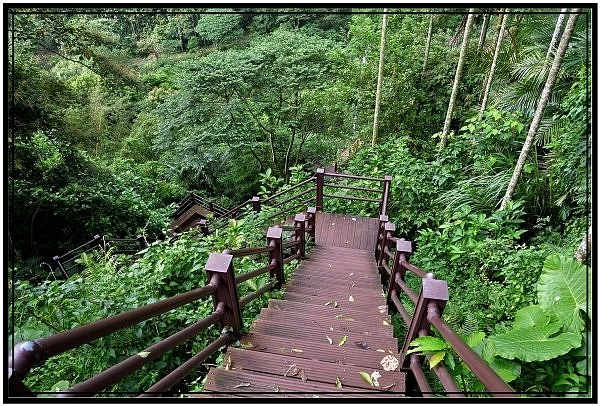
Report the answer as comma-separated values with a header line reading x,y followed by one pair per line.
x,y
392,258
222,287
309,192
192,199
68,265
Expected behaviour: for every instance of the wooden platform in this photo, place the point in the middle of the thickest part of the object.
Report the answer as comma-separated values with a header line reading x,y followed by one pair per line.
x,y
330,328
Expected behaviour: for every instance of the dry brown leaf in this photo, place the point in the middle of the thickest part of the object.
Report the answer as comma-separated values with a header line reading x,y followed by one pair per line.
x,y
242,384
351,298
386,388
351,274
296,350
362,345
303,376
329,339
292,371
338,383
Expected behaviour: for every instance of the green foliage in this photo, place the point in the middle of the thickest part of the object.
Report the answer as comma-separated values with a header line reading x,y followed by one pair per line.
x,y
562,291
571,153
218,26
537,343
110,285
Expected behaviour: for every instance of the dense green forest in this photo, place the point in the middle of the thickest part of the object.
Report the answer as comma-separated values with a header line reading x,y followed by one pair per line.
x,y
483,120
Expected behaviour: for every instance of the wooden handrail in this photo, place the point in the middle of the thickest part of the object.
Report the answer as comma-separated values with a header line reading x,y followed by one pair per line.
x,y
222,286
429,305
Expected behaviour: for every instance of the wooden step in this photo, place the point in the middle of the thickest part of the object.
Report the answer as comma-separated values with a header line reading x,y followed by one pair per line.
x,y
316,333
348,353
259,385
342,304
342,321
314,371
337,292
332,308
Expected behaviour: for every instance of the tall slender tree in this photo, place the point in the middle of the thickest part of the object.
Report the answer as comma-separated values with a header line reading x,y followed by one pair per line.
x,y
484,28
488,82
379,77
541,106
556,33
459,67
427,44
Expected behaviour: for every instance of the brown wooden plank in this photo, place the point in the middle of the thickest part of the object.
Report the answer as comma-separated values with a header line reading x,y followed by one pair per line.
x,y
316,333
339,295
342,322
314,371
348,353
355,310
299,297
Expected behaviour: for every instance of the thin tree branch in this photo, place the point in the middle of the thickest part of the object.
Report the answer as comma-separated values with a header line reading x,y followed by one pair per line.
x,y
67,58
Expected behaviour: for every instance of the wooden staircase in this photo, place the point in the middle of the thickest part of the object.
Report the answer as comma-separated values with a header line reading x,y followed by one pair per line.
x,y
331,328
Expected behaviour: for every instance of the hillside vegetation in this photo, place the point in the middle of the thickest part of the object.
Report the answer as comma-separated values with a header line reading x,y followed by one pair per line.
x,y
114,114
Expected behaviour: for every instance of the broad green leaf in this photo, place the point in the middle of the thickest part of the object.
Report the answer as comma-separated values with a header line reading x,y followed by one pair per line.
x,y
342,340
562,290
436,358
449,360
507,370
60,385
535,343
475,339
366,377
530,316
427,343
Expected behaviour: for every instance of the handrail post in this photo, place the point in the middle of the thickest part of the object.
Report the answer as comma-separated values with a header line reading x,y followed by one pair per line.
x,y
255,203
311,217
387,181
60,266
276,256
403,249
432,290
380,234
222,264
299,221
320,181
203,223
388,231
141,240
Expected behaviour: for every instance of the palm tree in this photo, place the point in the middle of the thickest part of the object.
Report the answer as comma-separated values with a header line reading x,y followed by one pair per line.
x,y
541,106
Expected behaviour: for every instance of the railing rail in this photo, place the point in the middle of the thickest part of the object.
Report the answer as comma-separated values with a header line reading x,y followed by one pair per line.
x,y
429,305
227,304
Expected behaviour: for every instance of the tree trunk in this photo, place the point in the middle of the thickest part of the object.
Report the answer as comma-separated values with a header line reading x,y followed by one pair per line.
x,y
582,251
556,33
427,44
379,77
488,83
484,27
461,61
543,101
